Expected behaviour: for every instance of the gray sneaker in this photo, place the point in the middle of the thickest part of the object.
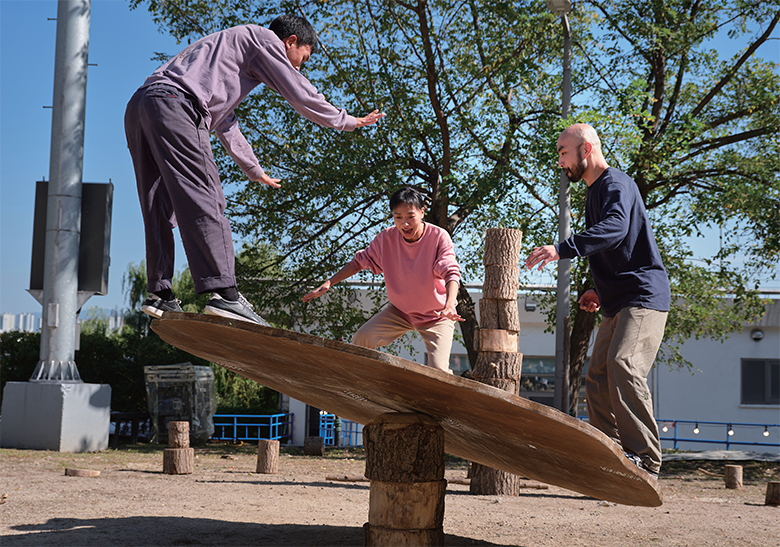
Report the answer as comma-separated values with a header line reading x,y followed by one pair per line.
x,y
156,306
636,460
240,309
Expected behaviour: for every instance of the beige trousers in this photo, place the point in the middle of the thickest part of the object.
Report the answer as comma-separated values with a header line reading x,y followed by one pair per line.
x,y
618,398
389,324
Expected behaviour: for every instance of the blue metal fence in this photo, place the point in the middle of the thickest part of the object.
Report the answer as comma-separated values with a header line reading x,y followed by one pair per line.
x,y
252,427
728,430
348,432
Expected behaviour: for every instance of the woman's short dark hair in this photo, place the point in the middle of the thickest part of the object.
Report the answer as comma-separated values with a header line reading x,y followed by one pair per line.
x,y
288,24
407,195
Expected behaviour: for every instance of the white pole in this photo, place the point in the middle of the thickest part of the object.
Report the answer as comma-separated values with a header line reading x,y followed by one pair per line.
x,y
564,231
63,218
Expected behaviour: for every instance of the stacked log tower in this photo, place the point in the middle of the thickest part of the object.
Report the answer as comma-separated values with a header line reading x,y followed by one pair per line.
x,y
499,363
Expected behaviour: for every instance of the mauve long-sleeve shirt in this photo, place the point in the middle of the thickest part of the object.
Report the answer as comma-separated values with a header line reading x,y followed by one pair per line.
x,y
416,273
619,243
221,69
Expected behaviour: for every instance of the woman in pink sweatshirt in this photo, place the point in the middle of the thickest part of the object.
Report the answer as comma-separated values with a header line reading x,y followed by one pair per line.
x,y
421,276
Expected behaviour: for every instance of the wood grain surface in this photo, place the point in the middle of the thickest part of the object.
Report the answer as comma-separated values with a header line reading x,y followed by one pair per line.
x,y
481,423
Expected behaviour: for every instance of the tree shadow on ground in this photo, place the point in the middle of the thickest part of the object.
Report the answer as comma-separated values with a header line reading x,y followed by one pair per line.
x,y
174,531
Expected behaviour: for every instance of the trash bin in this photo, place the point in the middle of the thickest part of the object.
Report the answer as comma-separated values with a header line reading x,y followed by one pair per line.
x,y
181,392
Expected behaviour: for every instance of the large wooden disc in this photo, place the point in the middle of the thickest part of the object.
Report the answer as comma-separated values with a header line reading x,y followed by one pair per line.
x,y
481,423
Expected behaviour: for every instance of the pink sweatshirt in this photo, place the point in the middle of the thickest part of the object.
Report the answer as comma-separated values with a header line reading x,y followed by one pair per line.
x,y
221,69
416,274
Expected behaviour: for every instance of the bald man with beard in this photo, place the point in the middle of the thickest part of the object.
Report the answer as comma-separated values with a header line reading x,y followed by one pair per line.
x,y
631,287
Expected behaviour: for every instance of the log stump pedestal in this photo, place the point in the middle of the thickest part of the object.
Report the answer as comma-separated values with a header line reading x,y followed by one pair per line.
x,y
733,475
267,457
773,494
499,362
178,458
405,464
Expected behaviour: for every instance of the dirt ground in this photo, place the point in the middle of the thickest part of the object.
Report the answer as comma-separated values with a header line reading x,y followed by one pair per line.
x,y
225,503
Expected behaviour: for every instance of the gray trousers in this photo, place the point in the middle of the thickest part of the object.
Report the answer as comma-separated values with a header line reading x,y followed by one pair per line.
x,y
618,399
178,184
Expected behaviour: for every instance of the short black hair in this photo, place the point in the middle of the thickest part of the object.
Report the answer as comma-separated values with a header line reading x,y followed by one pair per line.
x,y
408,195
289,24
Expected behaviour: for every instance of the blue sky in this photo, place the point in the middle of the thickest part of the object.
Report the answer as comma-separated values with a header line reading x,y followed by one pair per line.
x,y
122,43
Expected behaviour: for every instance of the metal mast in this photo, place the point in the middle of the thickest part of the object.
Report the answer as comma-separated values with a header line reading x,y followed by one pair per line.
x,y
63,220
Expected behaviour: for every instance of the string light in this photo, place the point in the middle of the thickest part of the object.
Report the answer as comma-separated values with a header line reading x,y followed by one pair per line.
x,y
696,429
731,431
664,428
766,432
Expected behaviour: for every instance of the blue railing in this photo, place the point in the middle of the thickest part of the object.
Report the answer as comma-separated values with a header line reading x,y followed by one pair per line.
x,y
252,427
348,432
729,430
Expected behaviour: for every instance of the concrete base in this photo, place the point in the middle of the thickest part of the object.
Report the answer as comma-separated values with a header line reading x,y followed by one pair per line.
x,y
67,417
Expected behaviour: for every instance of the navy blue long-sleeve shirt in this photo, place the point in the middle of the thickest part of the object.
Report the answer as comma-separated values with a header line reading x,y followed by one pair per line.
x,y
624,258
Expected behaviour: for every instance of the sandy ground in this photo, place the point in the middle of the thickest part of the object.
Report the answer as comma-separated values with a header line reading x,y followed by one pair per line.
x,y
225,503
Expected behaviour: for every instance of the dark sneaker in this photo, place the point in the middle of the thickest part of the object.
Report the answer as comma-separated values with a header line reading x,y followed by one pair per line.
x,y
240,309
636,460
156,306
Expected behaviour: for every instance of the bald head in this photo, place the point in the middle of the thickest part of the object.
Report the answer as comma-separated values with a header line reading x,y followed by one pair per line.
x,y
580,133
579,153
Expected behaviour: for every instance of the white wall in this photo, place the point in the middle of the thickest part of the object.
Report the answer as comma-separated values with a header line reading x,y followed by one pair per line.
x,y
711,390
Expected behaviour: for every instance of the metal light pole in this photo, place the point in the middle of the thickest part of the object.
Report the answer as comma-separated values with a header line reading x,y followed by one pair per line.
x,y
562,8
55,410
63,218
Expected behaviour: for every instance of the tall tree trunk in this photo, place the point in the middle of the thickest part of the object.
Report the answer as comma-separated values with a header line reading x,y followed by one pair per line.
x,y
584,322
470,327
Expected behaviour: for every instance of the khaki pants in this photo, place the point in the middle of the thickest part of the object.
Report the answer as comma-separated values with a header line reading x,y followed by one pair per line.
x,y
389,324
618,399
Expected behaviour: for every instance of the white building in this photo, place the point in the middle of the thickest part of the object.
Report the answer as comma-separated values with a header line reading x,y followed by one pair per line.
x,y
115,323
31,322
25,322
28,322
735,382
8,322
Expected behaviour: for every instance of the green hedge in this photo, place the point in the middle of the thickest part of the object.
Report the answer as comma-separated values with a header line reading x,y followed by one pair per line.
x,y
119,360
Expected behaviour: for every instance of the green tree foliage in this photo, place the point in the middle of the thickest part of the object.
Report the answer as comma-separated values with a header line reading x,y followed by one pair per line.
x,y
471,92
19,354
466,87
698,132
118,358
238,395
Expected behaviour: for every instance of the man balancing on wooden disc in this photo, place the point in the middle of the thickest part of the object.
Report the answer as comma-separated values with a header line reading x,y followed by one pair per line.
x,y
632,289
168,122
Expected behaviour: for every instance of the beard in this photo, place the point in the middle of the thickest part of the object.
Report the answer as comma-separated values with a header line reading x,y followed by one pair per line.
x,y
575,173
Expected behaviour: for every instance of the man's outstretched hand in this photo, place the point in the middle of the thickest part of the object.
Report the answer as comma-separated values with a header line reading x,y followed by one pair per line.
x,y
542,256
268,181
371,119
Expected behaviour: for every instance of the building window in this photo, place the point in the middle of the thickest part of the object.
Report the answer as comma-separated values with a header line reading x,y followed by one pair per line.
x,y
760,382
